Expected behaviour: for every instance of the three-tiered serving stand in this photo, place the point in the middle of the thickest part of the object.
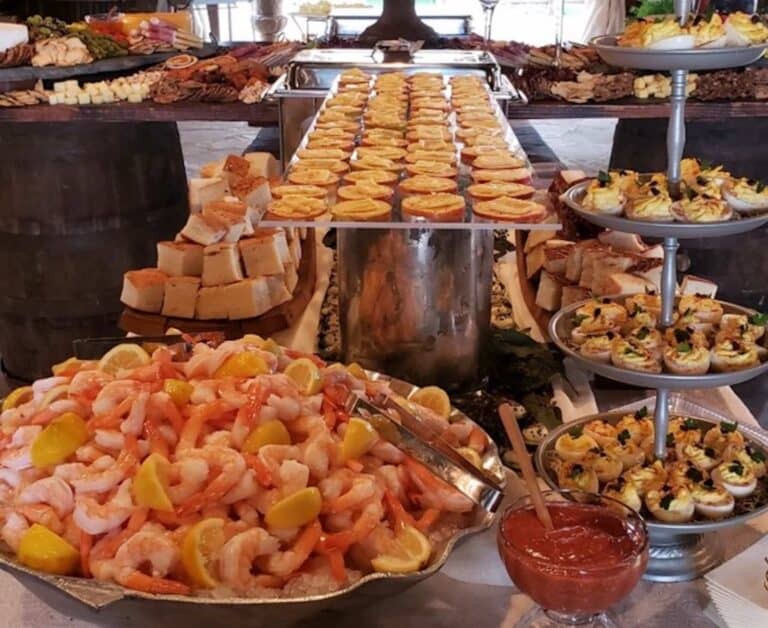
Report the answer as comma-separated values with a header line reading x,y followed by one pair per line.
x,y
678,552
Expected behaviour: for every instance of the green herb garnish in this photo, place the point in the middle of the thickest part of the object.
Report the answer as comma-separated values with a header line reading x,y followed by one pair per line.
x,y
670,440
709,484
736,467
623,437
642,413
579,319
684,347
647,8
642,333
689,424
756,455
726,427
709,452
666,502
759,187
760,319
576,432
694,474
603,177
576,471
681,335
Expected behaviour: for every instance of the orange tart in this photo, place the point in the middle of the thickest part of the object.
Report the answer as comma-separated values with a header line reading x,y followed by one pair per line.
x,y
311,176
334,165
383,140
365,189
426,184
366,209
296,208
347,111
349,126
497,161
510,210
435,207
439,145
331,142
432,168
480,125
466,134
314,191
323,153
332,133
384,133
382,177
470,153
429,133
496,189
375,163
385,152
495,141
521,175
339,115
447,157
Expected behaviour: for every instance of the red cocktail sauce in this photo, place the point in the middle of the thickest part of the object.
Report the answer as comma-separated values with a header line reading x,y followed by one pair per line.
x,y
591,560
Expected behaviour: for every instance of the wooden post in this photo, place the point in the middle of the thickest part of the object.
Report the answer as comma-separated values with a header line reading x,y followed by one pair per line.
x,y
398,19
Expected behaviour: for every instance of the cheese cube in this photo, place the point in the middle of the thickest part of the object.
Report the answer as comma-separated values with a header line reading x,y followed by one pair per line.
x,y
202,191
203,230
233,224
221,264
247,298
60,87
97,99
181,296
550,292
144,289
134,97
83,98
263,165
180,258
278,291
265,253
253,191
211,303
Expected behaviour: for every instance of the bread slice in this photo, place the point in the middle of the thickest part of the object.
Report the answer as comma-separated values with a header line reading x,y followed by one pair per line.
x,y
211,303
181,296
599,266
202,191
263,165
550,292
221,264
698,285
534,261
649,269
294,246
203,230
278,291
656,252
258,194
265,253
539,237
180,258
624,283
236,167
144,289
628,242
247,298
575,260
555,255
573,294
291,277
235,224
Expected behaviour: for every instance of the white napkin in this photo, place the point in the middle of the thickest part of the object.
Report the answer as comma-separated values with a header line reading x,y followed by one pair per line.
x,y
736,588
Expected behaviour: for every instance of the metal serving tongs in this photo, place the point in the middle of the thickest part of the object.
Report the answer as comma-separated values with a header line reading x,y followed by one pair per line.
x,y
94,348
423,442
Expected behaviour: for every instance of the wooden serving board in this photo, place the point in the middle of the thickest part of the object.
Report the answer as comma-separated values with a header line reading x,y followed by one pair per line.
x,y
527,287
272,321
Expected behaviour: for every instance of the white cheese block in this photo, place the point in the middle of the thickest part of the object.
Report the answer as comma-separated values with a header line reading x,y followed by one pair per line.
x,y
144,289
235,225
263,165
181,296
259,195
534,261
697,285
211,303
278,291
265,253
180,258
202,191
550,292
203,230
12,35
221,264
247,298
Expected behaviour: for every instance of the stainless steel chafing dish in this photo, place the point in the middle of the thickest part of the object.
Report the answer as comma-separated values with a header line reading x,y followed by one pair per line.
x,y
301,91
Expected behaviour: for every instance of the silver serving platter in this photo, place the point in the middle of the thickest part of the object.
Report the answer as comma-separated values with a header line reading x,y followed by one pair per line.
x,y
665,60
677,552
105,602
560,327
574,197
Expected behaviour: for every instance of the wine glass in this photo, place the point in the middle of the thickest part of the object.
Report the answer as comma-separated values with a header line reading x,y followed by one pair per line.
x,y
593,558
489,6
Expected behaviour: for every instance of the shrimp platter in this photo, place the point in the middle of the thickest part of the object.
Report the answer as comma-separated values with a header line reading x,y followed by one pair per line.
x,y
232,472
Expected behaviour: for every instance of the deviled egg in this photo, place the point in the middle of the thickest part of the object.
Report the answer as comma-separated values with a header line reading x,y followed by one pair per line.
x,y
577,476
574,445
736,478
671,504
625,492
712,501
746,195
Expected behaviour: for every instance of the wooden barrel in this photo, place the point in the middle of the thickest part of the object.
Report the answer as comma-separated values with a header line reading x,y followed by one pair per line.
x,y
82,202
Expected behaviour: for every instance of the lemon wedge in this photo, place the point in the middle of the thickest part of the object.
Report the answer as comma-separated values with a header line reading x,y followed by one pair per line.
x,y
150,486
41,549
269,433
358,439
411,552
471,455
271,346
433,398
59,440
57,392
305,373
178,390
355,370
66,365
198,549
16,397
295,510
123,357
245,364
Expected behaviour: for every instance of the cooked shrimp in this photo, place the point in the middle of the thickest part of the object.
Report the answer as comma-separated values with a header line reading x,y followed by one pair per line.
x,y
112,395
245,488
17,458
43,514
52,491
134,422
231,466
363,488
387,452
219,438
434,492
89,453
203,392
10,477
206,361
237,557
96,518
88,383
153,550
336,483
42,386
272,456
285,563
393,478
105,473
292,476
109,439
194,426
318,452
247,512
25,434
13,529
186,477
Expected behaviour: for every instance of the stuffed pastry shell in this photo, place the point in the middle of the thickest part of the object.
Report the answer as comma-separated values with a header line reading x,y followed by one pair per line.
x,y
598,347
604,195
605,465
647,302
686,359
647,478
725,439
574,445
627,451
704,309
624,492
732,355
649,338
577,477
683,431
746,195
753,459
601,431
703,458
631,355
639,425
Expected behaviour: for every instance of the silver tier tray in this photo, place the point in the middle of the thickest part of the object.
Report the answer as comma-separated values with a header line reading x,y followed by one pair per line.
x,y
105,602
560,327
665,60
574,196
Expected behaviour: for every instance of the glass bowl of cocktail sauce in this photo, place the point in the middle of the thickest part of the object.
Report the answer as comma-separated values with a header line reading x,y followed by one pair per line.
x,y
593,558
